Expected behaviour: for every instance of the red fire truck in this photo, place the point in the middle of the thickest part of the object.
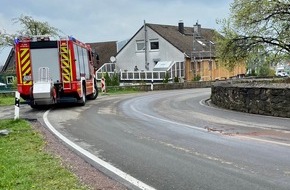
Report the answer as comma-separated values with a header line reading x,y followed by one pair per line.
x,y
54,71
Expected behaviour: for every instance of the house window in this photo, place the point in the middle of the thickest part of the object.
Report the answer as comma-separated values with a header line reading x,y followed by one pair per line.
x,y
140,45
154,45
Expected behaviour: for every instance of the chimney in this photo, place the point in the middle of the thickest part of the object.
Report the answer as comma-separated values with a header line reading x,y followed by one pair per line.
x,y
197,29
181,27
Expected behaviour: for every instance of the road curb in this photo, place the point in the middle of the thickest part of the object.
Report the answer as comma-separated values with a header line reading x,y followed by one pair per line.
x,y
92,158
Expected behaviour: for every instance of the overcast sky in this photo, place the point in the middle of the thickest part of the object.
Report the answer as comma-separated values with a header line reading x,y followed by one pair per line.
x,y
110,20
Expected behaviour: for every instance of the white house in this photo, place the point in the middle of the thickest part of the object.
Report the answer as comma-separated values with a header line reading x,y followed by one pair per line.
x,y
181,52
146,55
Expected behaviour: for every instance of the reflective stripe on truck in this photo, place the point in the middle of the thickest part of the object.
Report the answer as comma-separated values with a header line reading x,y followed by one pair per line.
x,y
65,65
25,66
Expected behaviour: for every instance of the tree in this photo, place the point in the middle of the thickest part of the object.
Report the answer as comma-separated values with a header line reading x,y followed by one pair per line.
x,y
30,27
34,27
266,71
252,25
115,80
108,79
6,39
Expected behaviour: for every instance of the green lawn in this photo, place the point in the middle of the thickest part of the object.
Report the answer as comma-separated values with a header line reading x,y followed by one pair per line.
x,y
25,165
6,100
119,90
23,162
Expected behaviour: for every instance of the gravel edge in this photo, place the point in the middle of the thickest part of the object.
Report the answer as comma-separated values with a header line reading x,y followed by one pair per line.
x,y
86,173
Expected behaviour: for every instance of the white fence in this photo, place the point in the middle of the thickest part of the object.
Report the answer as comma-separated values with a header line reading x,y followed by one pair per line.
x,y
143,75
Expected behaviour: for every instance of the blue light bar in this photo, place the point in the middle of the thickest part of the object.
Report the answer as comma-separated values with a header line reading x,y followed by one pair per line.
x,y
16,40
72,38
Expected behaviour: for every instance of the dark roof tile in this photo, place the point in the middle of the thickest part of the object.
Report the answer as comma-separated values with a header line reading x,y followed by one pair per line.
x,y
187,42
104,50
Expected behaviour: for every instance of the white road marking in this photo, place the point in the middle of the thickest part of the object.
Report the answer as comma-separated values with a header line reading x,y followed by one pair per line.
x,y
96,159
265,141
202,129
168,121
245,123
257,126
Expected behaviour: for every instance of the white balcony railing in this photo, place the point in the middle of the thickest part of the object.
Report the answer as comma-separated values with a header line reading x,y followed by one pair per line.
x,y
176,70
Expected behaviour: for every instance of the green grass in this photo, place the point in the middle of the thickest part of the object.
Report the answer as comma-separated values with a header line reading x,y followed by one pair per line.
x,y
119,90
25,165
6,100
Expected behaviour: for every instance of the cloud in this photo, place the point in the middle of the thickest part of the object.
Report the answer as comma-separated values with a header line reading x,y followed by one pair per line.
x,y
111,20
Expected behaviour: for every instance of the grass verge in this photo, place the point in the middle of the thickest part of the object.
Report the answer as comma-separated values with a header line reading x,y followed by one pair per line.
x,y
24,164
6,100
119,90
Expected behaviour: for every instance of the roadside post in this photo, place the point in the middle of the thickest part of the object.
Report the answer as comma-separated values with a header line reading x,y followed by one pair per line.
x,y
17,103
152,81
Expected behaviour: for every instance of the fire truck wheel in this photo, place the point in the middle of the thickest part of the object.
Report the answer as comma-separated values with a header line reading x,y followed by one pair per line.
x,y
53,95
94,95
32,105
31,93
83,98
31,102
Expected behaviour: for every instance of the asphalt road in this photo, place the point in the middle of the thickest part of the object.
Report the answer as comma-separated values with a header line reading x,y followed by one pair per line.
x,y
172,140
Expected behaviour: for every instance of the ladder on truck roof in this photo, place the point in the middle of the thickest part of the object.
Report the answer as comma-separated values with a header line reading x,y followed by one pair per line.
x,y
66,70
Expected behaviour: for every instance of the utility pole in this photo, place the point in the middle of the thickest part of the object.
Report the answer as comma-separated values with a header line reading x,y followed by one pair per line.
x,y
146,46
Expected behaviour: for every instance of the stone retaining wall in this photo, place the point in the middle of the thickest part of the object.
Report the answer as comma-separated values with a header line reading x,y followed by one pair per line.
x,y
162,86
271,99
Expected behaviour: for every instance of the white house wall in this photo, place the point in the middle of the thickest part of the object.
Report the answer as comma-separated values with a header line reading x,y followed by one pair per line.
x,y
129,57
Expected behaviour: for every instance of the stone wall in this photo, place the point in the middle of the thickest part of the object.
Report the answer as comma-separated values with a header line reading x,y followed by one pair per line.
x,y
264,98
162,86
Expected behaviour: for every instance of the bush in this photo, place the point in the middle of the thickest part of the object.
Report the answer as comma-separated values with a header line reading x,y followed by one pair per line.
x,y
197,78
266,71
107,79
113,80
176,79
166,78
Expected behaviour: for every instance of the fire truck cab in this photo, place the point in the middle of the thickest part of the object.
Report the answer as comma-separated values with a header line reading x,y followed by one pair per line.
x,y
54,71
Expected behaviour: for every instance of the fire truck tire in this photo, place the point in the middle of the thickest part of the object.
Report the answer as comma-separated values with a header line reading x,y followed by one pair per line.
x,y
53,95
94,95
31,100
83,98
34,106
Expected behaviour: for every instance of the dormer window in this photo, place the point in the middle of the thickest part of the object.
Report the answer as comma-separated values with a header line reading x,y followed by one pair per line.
x,y
201,42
